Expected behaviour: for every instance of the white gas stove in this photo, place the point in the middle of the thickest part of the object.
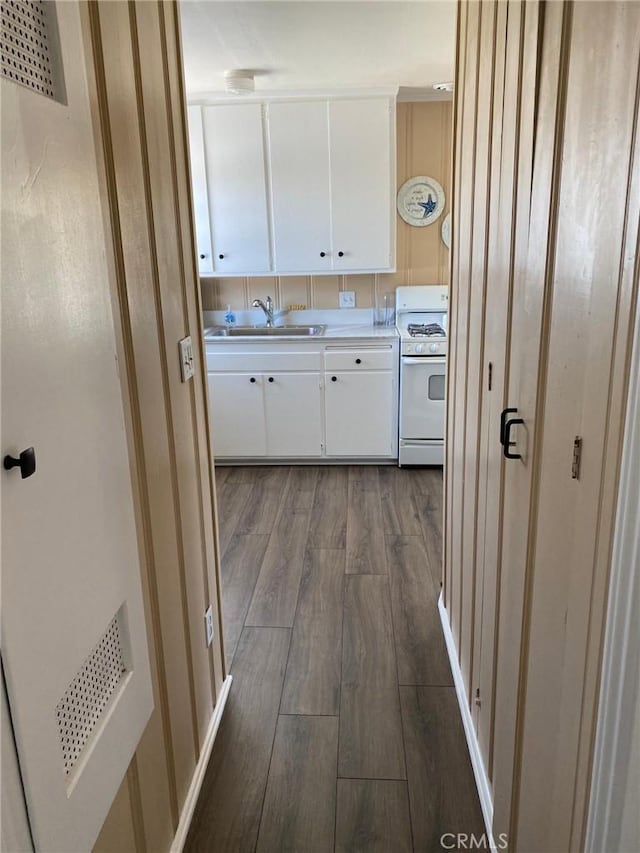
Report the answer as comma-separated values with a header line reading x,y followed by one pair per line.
x,y
421,320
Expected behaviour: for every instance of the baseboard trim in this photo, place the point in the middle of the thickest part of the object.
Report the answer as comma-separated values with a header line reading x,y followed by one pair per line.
x,y
479,772
201,766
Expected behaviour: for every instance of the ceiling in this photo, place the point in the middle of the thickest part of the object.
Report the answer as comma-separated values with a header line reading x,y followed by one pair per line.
x,y
311,44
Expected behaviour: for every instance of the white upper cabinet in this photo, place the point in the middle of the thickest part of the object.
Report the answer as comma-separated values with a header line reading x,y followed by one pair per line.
x,y
295,186
237,188
362,190
199,187
300,192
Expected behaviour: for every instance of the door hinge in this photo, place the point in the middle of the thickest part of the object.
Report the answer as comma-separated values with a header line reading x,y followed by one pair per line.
x,y
478,702
490,375
577,458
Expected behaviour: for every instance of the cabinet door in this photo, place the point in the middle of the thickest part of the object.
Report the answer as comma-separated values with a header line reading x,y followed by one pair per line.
x,y
362,171
199,188
236,182
237,414
293,414
358,413
299,160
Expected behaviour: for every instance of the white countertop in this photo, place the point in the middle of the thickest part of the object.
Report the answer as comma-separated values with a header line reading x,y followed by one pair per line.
x,y
345,324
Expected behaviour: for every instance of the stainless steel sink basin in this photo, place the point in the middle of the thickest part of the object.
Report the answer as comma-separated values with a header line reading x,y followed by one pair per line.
x,y
263,331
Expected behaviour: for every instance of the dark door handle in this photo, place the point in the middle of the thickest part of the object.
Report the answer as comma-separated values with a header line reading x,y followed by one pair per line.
x,y
507,439
503,421
26,462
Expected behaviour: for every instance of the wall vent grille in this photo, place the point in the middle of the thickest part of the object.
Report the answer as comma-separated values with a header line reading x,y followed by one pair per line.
x,y
28,45
80,709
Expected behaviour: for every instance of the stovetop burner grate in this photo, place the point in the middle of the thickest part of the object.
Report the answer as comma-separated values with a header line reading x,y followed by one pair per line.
x,y
426,330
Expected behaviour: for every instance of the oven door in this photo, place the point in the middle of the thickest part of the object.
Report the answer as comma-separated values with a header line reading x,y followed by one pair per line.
x,y
422,397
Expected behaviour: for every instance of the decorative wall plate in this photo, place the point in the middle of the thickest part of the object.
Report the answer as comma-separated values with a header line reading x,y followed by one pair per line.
x,y
445,231
420,201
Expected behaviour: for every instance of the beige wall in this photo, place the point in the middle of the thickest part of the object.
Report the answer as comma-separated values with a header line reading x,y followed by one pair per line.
x,y
424,148
135,81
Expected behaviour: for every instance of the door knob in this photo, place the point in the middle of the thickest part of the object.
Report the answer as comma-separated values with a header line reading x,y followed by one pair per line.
x,y
26,462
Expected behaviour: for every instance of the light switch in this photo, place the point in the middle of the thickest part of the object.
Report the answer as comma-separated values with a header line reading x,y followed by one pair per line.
x,y
347,299
186,358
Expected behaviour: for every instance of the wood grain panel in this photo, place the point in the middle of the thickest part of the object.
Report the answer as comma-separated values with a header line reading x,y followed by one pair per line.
x,y
372,817
300,802
365,528
328,527
399,511
312,683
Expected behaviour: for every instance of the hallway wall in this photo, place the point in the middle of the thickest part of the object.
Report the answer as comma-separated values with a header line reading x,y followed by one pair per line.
x,y
135,76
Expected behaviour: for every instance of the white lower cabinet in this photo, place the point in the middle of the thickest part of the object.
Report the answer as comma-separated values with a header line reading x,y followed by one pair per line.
x,y
293,414
237,414
305,401
358,413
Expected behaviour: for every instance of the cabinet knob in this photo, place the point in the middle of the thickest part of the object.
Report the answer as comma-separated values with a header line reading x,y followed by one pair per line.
x,y
358,361
341,254
334,378
271,379
221,257
202,257
26,462
253,379
322,254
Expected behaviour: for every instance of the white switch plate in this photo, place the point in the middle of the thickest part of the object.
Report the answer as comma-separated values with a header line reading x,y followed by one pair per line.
x,y
186,358
208,625
347,299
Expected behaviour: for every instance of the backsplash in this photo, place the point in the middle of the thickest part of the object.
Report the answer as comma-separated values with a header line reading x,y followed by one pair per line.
x,y
423,148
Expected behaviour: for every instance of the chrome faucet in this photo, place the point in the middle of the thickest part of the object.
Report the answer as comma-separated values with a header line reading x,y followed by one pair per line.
x,y
268,308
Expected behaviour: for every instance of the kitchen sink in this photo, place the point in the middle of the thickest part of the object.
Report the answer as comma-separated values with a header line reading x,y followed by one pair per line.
x,y
263,331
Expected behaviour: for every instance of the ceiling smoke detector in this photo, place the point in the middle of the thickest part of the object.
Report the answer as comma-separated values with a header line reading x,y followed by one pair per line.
x,y
444,87
239,81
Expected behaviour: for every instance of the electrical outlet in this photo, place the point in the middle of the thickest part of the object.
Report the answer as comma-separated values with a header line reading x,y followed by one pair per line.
x,y
208,625
185,348
347,299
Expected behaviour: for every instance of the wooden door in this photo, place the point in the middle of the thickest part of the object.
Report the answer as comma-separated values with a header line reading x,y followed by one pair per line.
x,y
293,415
73,633
362,183
237,188
237,414
299,172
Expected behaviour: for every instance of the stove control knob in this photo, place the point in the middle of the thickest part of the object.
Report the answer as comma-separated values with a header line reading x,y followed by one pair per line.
x,y
434,348
419,347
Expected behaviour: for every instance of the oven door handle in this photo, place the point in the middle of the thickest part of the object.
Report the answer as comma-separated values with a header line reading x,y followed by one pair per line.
x,y
423,359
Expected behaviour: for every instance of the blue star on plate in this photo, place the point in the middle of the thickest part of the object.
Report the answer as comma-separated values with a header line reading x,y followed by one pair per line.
x,y
428,206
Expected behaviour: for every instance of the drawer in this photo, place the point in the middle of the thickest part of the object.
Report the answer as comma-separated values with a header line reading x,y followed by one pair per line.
x,y
360,358
290,361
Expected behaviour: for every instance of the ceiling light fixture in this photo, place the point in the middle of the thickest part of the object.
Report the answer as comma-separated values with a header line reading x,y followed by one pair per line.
x,y
239,81
444,87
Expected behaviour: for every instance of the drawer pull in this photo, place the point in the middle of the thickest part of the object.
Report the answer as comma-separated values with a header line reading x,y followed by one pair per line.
x,y
322,254
253,379
334,378
341,254
271,379
358,361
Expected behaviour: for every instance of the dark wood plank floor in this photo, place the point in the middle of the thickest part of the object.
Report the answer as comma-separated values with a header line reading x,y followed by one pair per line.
x,y
342,731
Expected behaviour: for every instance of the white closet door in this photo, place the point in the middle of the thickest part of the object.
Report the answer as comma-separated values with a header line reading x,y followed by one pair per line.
x,y
360,136
74,644
236,184
299,159
199,188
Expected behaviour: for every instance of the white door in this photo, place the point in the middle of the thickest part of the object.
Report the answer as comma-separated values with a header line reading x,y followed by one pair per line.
x,y
237,414
360,136
358,413
292,409
299,159
422,397
237,188
199,191
73,633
